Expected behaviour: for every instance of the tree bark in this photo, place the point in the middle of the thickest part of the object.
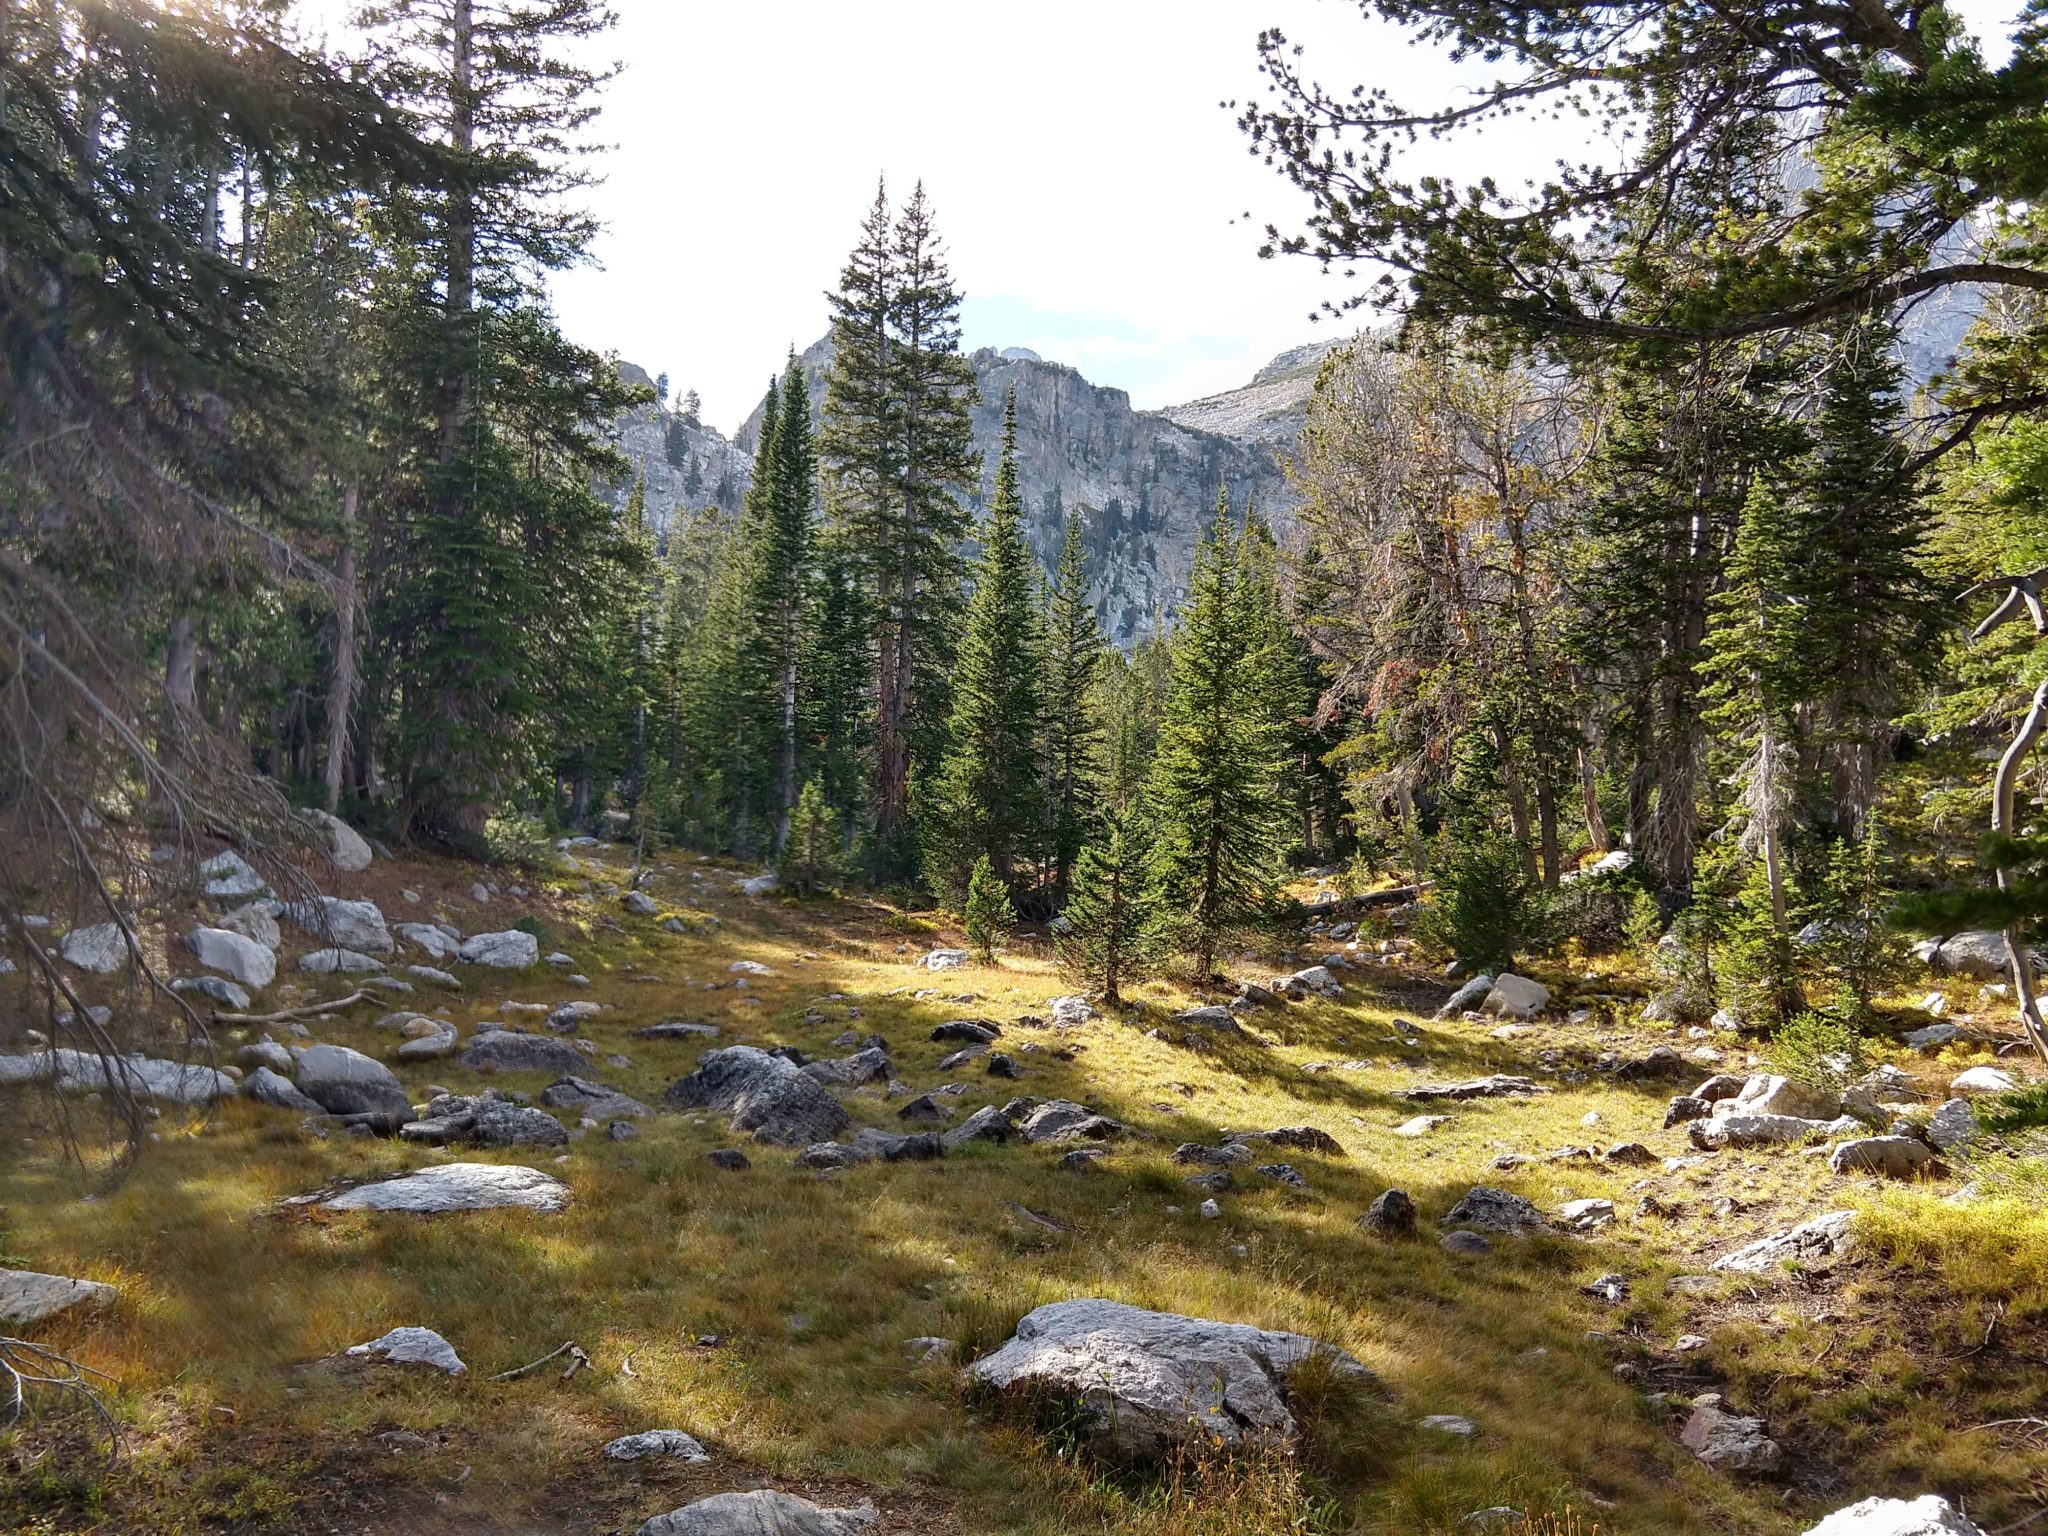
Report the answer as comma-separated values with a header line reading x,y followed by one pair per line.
x,y
341,679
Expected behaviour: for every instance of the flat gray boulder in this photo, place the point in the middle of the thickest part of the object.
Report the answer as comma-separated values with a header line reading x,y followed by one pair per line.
x,y
144,1077
1928,1515
1767,1094
1495,1210
1470,995
503,1050
227,876
457,1187
1515,997
657,1442
1738,1131
28,1297
348,962
255,921
215,989
767,1096
1064,1120
1896,1157
254,965
865,1066
1979,954
263,1086
425,937
342,924
1817,1240
440,1038
343,845
1730,1442
762,1512
509,950
101,948
1152,1381
412,1346
346,1082
588,1098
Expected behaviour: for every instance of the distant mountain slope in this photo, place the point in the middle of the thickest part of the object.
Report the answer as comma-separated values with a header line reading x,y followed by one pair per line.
x,y
1270,409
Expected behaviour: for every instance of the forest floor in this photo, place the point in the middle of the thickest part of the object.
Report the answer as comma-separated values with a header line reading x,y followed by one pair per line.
x,y
765,1311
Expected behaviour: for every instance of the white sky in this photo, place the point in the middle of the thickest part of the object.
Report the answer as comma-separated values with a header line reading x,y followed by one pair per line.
x,y
1090,188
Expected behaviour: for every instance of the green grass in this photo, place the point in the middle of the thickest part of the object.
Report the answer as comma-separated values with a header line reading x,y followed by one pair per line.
x,y
813,1283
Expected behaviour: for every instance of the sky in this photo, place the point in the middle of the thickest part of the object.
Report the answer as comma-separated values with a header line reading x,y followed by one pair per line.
x,y
1099,205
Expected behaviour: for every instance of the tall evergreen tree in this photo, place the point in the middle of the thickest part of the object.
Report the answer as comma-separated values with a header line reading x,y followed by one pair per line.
x,y
1112,912
983,799
898,444
1074,649
1214,789
782,572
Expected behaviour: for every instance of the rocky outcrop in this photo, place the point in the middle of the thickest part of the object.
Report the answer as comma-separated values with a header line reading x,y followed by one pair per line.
x,y
768,1097
1148,1382
760,1512
457,1187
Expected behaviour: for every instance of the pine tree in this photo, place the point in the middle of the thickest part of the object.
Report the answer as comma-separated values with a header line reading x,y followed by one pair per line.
x,y
988,915
1073,723
782,573
899,449
1107,935
1214,788
812,855
983,802
836,700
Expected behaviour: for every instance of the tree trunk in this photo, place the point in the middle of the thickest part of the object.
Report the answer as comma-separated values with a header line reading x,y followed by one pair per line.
x,y
2018,958
341,680
1589,794
181,693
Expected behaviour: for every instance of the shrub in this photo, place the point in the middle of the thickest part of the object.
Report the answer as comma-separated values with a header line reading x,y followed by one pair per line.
x,y
1819,1050
811,858
1485,908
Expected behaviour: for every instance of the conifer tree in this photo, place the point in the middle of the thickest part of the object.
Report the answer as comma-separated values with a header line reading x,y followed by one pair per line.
x,y
812,854
988,915
1073,724
898,445
781,574
1214,790
1111,914
836,699
983,802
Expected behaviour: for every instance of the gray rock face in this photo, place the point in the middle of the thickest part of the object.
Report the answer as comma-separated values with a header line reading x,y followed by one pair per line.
x,y
517,1125
263,1086
865,1066
767,1097
510,950
1752,1131
762,1512
429,940
986,1124
323,962
343,845
215,989
1896,1157
1817,1240
944,960
1500,1085
1953,1125
433,977
356,925
145,1077
1768,1095
1315,981
243,958
1516,997
657,1442
431,1045
1064,1120
27,1297
1979,955
1928,1515
1151,1381
457,1187
1729,1442
227,876
1470,995
101,948
1210,1016
1495,1210
502,1050
346,1082
588,1098
265,1053
255,921
1392,1214
413,1346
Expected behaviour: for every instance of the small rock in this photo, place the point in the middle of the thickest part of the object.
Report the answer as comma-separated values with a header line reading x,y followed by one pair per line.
x,y
657,1442
731,1159
1729,1442
1978,1081
413,1346
1391,1215
1450,1424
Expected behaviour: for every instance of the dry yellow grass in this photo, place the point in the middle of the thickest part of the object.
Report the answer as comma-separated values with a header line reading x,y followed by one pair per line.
x,y
812,1283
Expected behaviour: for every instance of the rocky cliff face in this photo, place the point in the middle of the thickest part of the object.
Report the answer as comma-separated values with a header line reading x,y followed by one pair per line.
x,y
1143,483
685,464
